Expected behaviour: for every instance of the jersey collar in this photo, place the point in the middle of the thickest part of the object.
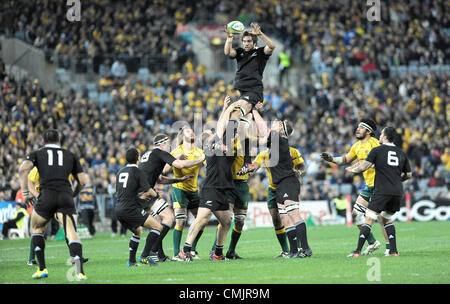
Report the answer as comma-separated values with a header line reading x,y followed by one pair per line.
x,y
389,144
52,146
132,165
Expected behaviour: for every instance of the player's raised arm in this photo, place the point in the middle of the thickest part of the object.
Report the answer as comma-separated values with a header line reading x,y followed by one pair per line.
x,y
228,47
270,45
261,127
224,118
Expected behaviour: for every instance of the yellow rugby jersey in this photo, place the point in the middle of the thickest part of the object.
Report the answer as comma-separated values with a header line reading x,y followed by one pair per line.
x,y
34,177
263,160
195,153
361,150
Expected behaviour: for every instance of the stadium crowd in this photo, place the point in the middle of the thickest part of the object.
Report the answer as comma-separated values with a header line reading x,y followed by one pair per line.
x,y
99,134
339,32
107,30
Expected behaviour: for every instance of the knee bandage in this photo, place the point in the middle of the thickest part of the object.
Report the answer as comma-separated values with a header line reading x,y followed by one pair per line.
x,y
181,216
372,215
360,211
158,207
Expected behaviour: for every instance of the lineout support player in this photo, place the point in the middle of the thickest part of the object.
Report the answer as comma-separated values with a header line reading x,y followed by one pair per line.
x,y
365,133
218,180
131,187
278,212
287,185
54,165
251,62
391,169
238,196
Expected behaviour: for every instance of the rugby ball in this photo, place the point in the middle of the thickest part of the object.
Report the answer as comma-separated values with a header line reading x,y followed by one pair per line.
x,y
235,27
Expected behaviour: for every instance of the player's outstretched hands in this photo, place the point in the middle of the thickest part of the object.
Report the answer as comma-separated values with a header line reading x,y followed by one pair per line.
x,y
256,29
326,156
229,35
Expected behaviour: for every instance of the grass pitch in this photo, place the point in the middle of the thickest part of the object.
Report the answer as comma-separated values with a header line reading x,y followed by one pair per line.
x,y
424,248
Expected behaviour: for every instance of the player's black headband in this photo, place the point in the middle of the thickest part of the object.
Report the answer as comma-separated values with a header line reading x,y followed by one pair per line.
x,y
366,126
161,141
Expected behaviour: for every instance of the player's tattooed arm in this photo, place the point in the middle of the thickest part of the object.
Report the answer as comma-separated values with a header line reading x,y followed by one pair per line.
x,y
360,167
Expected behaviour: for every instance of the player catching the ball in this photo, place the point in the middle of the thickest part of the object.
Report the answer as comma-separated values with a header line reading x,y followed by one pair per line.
x,y
251,61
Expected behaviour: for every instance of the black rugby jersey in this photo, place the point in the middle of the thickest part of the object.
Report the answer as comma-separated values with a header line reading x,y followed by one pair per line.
x,y
153,162
250,70
218,167
54,165
280,160
390,162
130,181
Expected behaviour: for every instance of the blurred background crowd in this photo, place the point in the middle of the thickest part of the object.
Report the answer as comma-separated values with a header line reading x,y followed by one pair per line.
x,y
327,36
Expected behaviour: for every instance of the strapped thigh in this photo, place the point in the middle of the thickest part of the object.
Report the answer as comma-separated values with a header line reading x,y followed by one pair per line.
x,y
159,206
65,223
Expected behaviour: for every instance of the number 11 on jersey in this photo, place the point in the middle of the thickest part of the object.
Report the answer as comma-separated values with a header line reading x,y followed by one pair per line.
x,y
50,157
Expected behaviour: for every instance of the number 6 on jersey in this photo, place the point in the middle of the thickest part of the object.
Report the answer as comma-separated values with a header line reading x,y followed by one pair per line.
x,y
392,158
